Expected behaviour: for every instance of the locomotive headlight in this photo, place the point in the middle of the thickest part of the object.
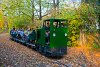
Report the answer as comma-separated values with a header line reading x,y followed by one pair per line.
x,y
54,34
65,34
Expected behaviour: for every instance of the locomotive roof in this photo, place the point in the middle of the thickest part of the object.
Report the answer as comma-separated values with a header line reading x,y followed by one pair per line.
x,y
55,19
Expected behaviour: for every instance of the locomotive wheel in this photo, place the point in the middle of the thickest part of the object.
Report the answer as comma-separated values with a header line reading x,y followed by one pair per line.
x,y
40,49
37,47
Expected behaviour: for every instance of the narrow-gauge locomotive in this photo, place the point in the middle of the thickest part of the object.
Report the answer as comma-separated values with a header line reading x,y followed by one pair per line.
x,y
51,39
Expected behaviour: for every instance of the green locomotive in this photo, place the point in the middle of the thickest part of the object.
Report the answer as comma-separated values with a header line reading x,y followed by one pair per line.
x,y
51,39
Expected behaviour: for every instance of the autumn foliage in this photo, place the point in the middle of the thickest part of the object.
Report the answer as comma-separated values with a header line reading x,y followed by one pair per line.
x,y
1,19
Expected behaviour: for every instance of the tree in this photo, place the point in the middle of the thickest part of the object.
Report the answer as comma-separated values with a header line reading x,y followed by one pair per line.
x,y
1,19
16,10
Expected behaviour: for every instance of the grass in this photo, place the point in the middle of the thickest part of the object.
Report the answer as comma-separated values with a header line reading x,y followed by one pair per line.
x,y
2,31
96,47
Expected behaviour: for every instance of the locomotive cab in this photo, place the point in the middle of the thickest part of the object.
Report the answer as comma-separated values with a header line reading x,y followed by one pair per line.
x,y
52,37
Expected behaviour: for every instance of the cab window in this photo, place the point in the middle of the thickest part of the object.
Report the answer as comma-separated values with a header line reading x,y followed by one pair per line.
x,y
47,23
56,24
63,24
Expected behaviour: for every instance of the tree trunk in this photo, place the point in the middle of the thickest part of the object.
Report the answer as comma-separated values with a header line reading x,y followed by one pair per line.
x,y
82,38
40,16
32,11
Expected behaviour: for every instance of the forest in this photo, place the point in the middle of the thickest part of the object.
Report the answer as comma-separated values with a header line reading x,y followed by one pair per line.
x,y
83,17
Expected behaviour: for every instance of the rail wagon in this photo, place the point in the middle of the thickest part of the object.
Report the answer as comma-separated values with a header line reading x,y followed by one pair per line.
x,y
50,39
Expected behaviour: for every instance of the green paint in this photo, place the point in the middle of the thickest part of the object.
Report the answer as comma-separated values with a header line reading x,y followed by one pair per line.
x,y
58,36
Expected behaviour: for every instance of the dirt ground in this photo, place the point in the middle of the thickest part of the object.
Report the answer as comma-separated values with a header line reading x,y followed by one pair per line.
x,y
13,54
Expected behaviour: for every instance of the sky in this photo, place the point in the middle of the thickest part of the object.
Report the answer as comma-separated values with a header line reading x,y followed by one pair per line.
x,y
70,3
67,3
